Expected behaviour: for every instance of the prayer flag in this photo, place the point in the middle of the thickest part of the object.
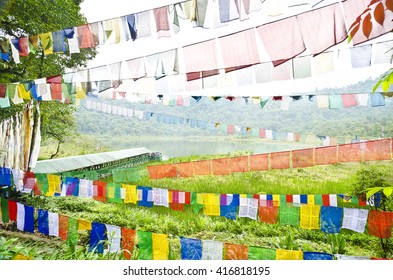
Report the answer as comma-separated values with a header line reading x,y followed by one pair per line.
x,y
329,200
288,255
46,42
355,258
160,197
160,246
12,210
63,227
145,245
114,192
211,204
331,218
191,249
99,191
58,41
72,185
235,252
228,205
84,225
380,223
196,202
114,238
72,232
309,216
317,256
43,222
5,177
128,242
289,215
4,210
20,216
248,207
131,194
355,219
85,188
268,215
85,36
212,250
97,238
53,219
53,185
259,253
145,196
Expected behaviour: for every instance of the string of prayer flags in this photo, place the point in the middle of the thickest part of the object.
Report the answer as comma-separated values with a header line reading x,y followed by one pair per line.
x,y
160,246
191,249
43,222
259,253
212,250
145,245
145,196
97,237
72,232
288,255
331,218
128,237
309,216
53,220
380,223
313,256
235,252
113,234
355,219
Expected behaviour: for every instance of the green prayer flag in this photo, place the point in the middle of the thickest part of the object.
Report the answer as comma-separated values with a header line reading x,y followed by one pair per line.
x,y
42,182
355,200
113,193
72,231
145,245
194,203
318,199
4,210
289,215
335,101
263,101
283,199
259,253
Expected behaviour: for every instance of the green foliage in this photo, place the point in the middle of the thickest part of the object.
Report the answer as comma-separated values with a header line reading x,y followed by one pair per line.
x,y
337,243
287,242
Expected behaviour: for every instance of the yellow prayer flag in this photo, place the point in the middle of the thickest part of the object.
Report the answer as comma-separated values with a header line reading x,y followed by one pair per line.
x,y
160,246
84,225
276,200
22,93
21,257
54,184
131,194
47,42
243,195
211,204
311,199
111,192
80,91
309,216
170,196
288,255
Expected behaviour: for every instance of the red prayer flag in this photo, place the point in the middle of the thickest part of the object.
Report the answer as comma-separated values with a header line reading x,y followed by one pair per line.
x,y
127,241
63,227
302,158
101,191
289,198
236,252
54,79
259,162
349,100
268,214
380,224
262,133
3,90
56,92
12,210
23,46
85,36
280,160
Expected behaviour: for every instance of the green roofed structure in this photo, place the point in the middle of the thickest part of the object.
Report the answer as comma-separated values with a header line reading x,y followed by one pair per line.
x,y
99,162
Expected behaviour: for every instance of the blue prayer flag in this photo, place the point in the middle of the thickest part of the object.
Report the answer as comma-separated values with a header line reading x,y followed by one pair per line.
x,y
5,177
145,196
58,41
331,219
43,222
97,238
377,99
303,199
72,185
29,219
317,256
191,249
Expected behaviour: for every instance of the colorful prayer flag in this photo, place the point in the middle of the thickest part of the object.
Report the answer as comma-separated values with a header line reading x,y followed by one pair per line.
x,y
191,249
309,216
160,246
259,253
211,204
331,218
72,232
288,255
53,219
113,234
128,242
355,219
43,222
268,215
317,256
235,252
145,245
97,238
289,215
145,196
212,250
380,223
248,207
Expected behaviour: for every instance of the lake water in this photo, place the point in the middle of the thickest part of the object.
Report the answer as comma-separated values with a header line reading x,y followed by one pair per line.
x,y
187,147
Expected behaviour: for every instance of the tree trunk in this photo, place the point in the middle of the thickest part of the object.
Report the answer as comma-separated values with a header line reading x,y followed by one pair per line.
x,y
57,150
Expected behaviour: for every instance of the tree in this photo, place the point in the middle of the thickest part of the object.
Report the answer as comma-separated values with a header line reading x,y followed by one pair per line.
x,y
33,17
372,16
